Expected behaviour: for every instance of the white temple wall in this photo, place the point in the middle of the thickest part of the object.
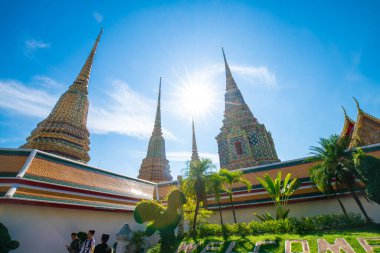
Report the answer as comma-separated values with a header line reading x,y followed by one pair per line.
x,y
47,229
309,208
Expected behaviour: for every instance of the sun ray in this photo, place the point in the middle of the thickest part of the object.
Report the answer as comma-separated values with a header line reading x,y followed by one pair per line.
x,y
195,94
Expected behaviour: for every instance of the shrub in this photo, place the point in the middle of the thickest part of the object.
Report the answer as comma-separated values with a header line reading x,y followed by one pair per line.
x,y
291,225
209,229
82,236
161,219
326,222
6,243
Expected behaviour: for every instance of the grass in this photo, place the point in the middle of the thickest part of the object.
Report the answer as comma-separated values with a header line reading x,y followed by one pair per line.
x,y
246,244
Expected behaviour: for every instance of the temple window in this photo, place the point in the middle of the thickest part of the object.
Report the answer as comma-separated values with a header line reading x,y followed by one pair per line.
x,y
238,148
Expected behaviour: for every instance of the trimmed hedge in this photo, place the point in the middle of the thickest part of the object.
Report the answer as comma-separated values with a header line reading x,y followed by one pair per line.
x,y
292,225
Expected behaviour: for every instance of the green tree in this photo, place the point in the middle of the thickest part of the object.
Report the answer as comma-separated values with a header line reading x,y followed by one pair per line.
x,y
196,176
335,164
369,167
215,187
189,210
280,192
230,178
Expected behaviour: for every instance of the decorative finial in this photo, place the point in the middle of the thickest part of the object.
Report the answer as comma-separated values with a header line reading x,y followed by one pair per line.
x,y
194,155
81,82
230,82
224,56
344,111
157,121
100,33
357,105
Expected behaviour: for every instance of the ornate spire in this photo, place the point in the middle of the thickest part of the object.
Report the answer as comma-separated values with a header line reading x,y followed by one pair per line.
x,y
157,121
357,105
235,105
230,82
155,167
242,141
194,155
81,82
64,131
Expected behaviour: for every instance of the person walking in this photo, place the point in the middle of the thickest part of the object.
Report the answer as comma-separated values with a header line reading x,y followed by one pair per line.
x,y
74,245
103,247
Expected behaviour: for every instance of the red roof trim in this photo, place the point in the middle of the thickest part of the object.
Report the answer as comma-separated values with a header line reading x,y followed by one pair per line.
x,y
64,188
57,205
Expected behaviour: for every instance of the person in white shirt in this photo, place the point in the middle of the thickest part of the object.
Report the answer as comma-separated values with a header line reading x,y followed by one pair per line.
x,y
88,246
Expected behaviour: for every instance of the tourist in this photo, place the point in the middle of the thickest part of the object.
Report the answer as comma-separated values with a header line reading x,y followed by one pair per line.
x,y
103,247
75,244
89,245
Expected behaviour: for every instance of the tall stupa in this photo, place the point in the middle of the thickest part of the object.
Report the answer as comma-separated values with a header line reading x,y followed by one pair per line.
x,y
155,167
242,142
64,132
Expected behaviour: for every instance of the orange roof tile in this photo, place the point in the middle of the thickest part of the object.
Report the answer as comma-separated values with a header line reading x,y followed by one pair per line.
x,y
10,165
54,170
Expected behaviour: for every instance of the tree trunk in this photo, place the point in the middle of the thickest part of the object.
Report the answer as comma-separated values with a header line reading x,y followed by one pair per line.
x,y
233,208
195,216
341,204
220,213
357,200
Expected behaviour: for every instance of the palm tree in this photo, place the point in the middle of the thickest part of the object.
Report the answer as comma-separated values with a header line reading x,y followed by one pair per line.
x,y
334,162
215,187
230,178
280,192
323,179
196,177
368,166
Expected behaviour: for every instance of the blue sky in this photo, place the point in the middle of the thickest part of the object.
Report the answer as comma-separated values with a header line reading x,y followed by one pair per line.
x,y
296,63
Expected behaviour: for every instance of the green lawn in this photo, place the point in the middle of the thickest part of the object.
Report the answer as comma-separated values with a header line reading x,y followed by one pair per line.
x,y
246,244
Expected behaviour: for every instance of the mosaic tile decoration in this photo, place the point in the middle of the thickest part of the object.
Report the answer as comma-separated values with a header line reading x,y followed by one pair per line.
x,y
242,142
64,131
155,167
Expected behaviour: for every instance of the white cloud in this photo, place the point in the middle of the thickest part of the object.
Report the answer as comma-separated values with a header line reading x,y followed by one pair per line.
x,y
24,100
260,75
45,81
123,112
256,75
32,44
126,112
98,17
183,156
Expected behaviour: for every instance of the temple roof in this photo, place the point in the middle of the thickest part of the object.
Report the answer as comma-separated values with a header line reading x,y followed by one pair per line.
x,y
366,130
44,179
64,131
348,126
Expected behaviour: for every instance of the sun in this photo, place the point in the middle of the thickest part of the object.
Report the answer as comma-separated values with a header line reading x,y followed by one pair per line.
x,y
196,95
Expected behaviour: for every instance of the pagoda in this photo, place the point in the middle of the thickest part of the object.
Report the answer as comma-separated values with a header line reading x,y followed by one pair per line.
x,y
362,132
155,167
64,131
242,142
